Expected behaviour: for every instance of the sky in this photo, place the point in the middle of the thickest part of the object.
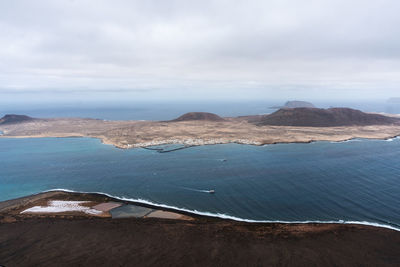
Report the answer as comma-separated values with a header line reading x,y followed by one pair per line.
x,y
209,50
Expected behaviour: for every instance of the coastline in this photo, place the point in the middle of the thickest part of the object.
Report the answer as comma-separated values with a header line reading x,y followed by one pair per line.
x,y
36,239
82,196
200,142
138,134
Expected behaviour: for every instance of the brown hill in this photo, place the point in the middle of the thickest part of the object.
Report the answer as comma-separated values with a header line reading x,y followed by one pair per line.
x,y
316,117
199,116
13,118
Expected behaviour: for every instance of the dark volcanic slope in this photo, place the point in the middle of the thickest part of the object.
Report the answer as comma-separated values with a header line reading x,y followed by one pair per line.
x,y
315,117
13,118
204,242
199,116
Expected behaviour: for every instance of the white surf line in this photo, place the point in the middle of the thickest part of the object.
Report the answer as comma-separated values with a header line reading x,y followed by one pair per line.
x,y
392,139
229,217
251,143
358,139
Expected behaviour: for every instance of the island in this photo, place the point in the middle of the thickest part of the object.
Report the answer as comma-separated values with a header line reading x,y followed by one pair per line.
x,y
295,104
200,128
298,104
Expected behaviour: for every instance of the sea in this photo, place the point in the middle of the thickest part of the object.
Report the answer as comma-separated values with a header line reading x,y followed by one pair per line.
x,y
346,182
167,110
354,181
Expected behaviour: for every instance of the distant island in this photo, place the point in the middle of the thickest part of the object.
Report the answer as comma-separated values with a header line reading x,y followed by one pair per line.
x,y
295,104
298,104
286,125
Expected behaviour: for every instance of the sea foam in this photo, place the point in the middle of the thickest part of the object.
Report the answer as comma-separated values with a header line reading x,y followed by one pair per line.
x,y
227,216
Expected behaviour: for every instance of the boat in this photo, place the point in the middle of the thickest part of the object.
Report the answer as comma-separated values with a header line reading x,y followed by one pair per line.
x,y
212,191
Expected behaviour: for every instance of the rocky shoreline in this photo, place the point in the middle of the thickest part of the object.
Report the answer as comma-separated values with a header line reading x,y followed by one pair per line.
x,y
136,134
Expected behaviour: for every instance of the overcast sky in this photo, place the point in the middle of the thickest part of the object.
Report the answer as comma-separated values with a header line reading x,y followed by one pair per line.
x,y
200,49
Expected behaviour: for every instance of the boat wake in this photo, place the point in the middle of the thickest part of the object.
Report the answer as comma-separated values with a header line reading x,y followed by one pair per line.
x,y
197,190
227,216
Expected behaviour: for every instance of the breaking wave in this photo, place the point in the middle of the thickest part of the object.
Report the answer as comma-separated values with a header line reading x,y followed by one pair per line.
x,y
227,216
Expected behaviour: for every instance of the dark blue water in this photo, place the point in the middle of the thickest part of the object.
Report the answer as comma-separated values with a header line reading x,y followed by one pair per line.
x,y
156,110
161,110
352,181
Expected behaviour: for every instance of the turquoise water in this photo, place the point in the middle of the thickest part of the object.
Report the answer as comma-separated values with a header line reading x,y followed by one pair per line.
x,y
351,181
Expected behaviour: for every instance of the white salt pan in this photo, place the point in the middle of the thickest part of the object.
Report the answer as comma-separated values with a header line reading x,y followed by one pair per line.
x,y
56,206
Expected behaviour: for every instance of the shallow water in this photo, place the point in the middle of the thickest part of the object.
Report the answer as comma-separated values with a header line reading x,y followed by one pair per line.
x,y
351,181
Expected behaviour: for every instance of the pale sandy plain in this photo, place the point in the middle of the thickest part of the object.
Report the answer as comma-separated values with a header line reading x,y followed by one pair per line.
x,y
131,134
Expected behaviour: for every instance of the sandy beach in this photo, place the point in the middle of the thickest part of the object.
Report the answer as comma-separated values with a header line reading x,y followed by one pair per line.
x,y
169,237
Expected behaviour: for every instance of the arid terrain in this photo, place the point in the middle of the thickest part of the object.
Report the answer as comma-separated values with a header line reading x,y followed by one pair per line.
x,y
204,128
80,239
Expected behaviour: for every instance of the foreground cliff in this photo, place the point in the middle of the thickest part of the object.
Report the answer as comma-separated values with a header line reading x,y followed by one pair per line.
x,y
69,239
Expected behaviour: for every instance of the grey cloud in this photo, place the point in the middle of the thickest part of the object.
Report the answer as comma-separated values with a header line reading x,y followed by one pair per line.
x,y
261,47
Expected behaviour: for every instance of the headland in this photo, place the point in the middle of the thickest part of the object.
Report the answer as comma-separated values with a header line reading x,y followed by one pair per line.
x,y
64,229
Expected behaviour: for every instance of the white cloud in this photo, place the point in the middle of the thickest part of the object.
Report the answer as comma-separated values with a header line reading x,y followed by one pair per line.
x,y
191,48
